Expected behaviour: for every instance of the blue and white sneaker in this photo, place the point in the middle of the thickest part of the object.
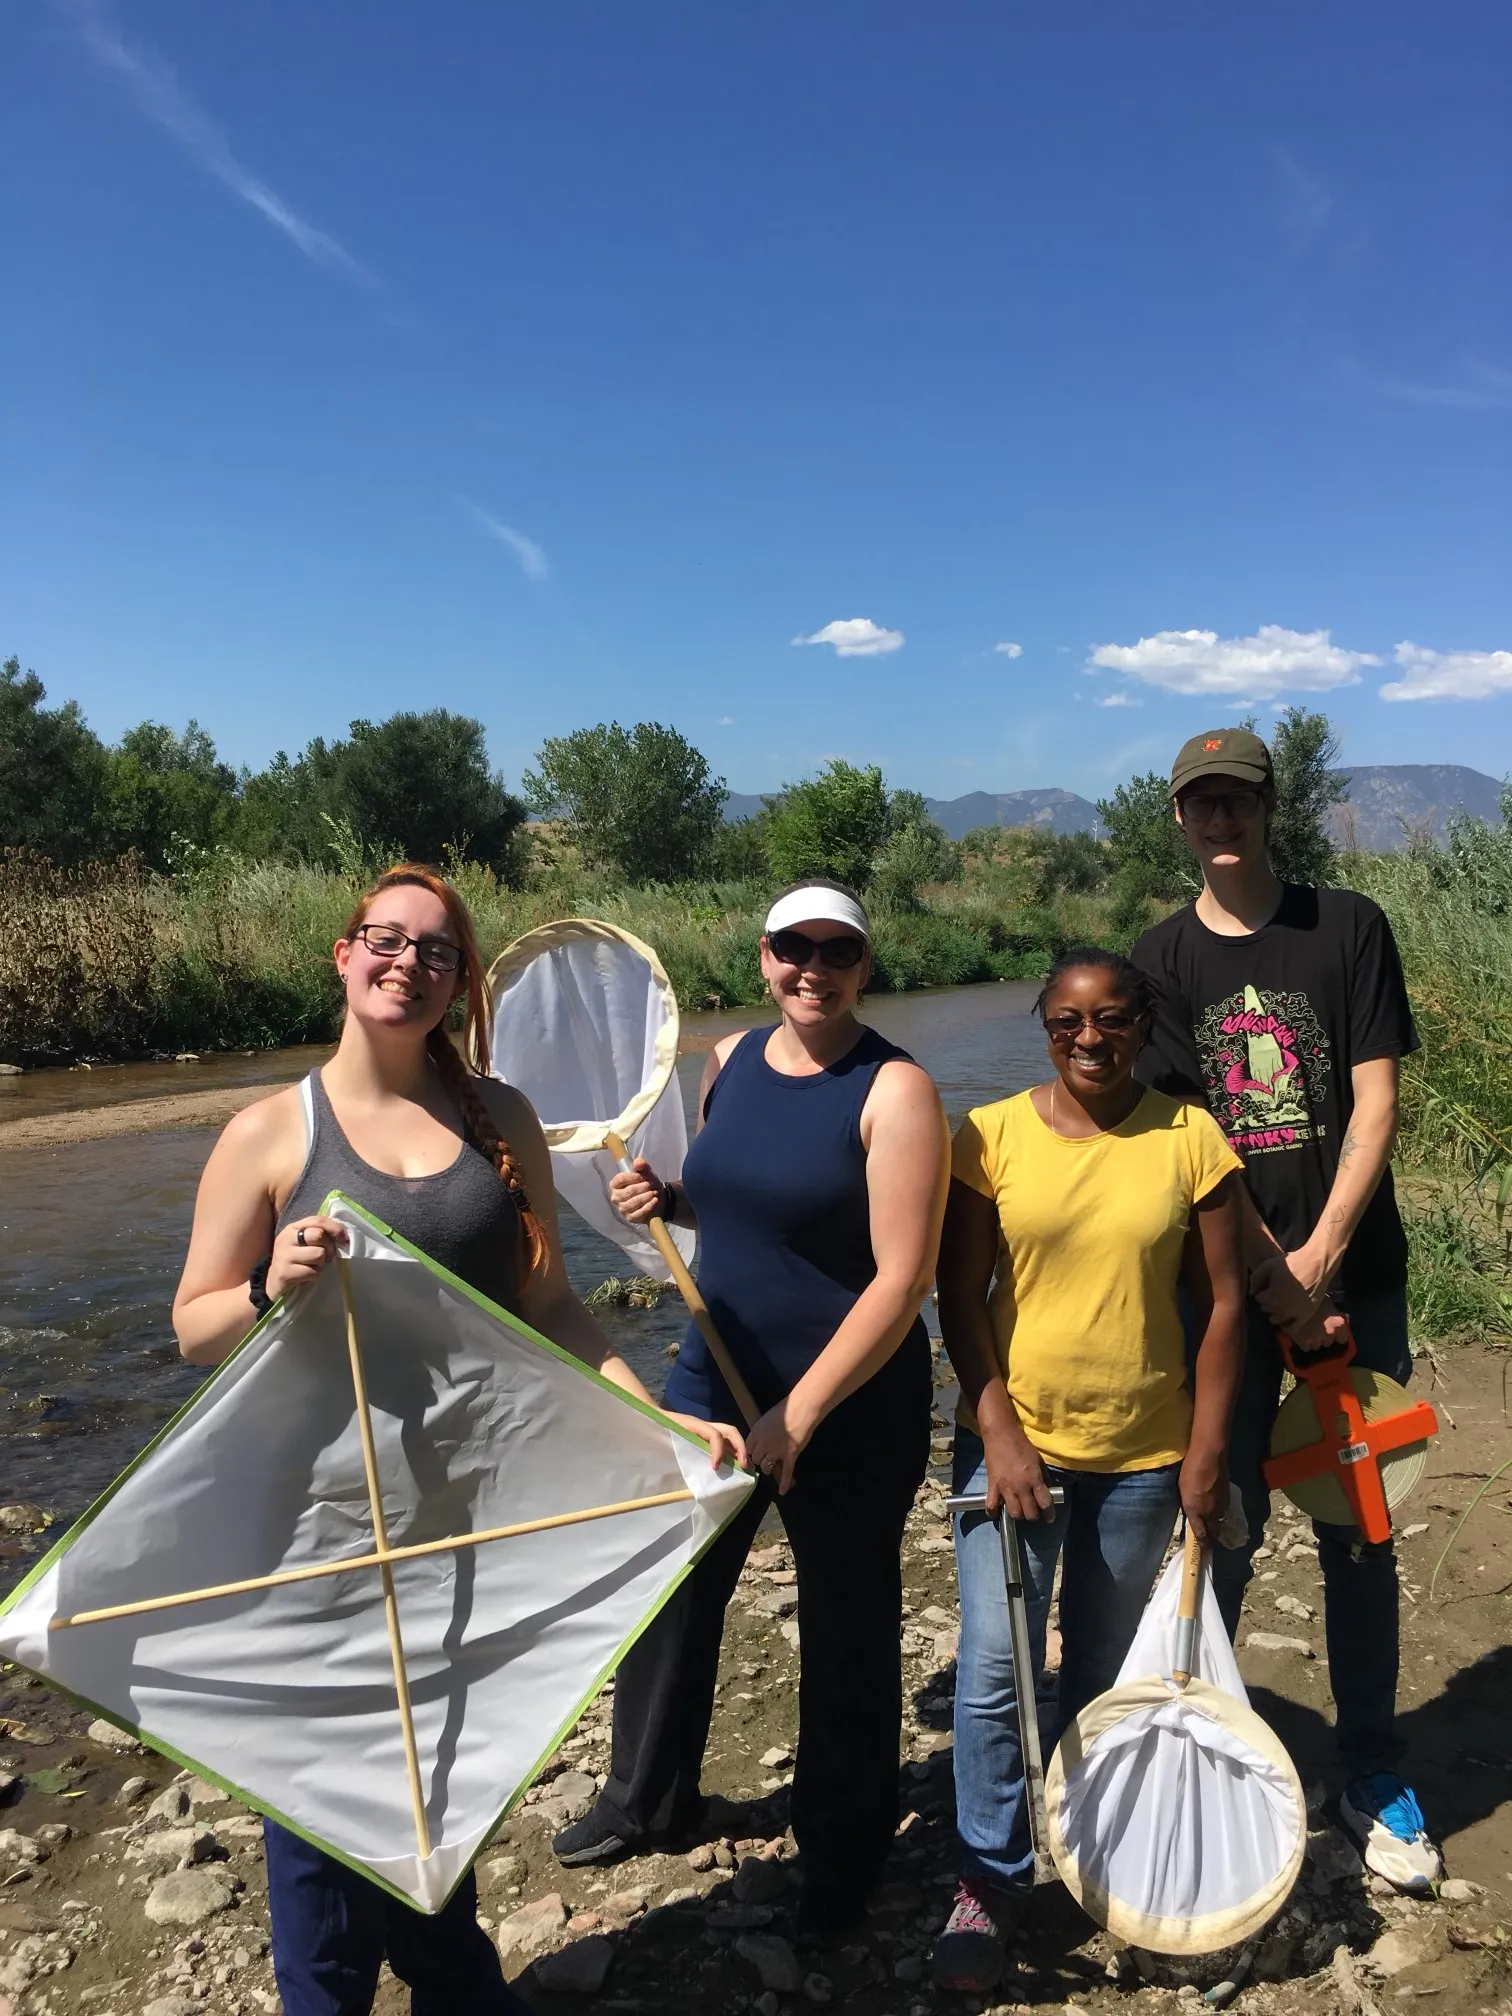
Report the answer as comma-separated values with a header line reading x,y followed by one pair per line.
x,y
1385,1814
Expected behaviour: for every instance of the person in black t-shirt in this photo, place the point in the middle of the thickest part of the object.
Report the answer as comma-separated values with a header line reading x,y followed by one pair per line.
x,y
1284,1009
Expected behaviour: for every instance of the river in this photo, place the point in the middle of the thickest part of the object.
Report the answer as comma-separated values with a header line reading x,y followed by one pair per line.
x,y
92,1235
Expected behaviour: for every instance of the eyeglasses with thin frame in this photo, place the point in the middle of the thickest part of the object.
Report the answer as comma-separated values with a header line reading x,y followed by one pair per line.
x,y
796,948
1112,1022
1200,806
387,941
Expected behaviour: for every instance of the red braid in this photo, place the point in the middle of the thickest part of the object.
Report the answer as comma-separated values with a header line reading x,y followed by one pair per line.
x,y
461,1077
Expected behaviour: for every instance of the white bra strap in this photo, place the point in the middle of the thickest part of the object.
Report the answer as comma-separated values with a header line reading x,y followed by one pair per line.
x,y
307,1102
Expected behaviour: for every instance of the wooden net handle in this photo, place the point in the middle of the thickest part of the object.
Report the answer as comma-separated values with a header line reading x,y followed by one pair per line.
x,y
1187,1609
666,1245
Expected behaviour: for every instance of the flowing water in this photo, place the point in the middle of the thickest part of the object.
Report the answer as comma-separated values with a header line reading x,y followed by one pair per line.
x,y
92,1235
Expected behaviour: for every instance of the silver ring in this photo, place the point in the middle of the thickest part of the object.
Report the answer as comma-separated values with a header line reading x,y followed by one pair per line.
x,y
299,1237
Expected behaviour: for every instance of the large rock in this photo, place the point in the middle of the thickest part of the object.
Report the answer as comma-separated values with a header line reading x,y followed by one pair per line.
x,y
1402,1947
532,1928
1272,1641
23,1519
189,1896
579,1969
173,2005
174,1804
774,1960
19,1850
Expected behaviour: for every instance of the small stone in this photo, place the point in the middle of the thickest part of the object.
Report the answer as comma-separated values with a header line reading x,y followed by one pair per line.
x,y
909,1969
1293,1606
768,1557
203,1793
507,1869
625,1903
1411,1532
1302,1550
819,1989
173,2005
767,2004
170,1805
533,1927
132,1790
776,1603
1456,1890
1122,1969
584,1921
774,1960
1273,1961
1271,1641
759,1880
1394,1951
109,1737
189,1896
186,1057
701,1858
579,1969
53,1834
23,1519
573,1785
777,1758
20,1848
790,1632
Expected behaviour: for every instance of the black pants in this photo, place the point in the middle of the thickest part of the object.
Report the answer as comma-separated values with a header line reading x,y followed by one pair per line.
x,y
844,1518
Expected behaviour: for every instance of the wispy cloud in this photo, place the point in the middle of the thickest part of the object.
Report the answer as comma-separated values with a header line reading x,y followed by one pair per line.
x,y
725,721
1010,650
856,637
532,559
1119,699
1449,675
159,97
1306,205
1472,387
1275,660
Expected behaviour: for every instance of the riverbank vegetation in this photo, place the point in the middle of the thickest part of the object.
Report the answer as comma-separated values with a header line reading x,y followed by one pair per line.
x,y
152,900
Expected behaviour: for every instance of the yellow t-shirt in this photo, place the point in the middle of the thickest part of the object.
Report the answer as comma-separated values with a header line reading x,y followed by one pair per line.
x,y
1084,1309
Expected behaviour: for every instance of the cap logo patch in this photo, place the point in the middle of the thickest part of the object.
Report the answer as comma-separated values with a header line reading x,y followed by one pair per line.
x,y
1212,743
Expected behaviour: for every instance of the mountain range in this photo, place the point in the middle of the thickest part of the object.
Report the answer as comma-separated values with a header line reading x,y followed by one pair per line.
x,y
1387,804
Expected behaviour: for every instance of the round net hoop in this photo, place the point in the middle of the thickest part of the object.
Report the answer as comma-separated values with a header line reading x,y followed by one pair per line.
x,y
586,1023
1177,1819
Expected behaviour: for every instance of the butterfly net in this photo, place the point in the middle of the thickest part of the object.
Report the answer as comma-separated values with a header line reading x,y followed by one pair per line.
x,y
1176,1816
585,1025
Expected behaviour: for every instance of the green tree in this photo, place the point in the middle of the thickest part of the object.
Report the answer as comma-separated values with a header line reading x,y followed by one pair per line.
x,y
1073,862
638,800
163,790
1149,854
1304,751
916,850
52,773
419,785
833,824
740,851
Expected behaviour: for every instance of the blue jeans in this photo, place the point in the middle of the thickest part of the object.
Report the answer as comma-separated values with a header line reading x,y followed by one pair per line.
x,y
1113,1527
1360,1597
332,1929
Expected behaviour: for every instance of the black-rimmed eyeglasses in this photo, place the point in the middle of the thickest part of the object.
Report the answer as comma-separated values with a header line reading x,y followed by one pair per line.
x,y
387,941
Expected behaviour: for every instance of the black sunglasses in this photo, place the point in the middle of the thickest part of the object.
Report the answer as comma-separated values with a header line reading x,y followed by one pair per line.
x,y
796,948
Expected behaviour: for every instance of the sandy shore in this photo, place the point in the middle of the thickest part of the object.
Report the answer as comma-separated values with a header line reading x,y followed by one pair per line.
x,y
210,1108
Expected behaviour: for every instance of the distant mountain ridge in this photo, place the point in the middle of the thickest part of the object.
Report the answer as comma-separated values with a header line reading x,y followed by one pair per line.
x,y
1388,803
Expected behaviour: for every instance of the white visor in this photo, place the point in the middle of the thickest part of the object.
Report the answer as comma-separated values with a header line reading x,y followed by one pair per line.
x,y
817,905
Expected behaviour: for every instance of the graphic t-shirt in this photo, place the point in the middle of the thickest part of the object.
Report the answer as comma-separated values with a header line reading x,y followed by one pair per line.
x,y
1084,1309
1267,1029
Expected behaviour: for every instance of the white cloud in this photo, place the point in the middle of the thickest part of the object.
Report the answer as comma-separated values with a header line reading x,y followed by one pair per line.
x,y
532,560
856,637
1120,699
1010,650
725,721
1448,675
1275,660
1474,386
158,96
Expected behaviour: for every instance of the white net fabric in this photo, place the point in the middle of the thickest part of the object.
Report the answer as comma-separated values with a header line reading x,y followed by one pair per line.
x,y
586,1026
1176,1817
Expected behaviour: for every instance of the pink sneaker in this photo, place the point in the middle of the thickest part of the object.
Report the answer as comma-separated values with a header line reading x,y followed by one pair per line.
x,y
970,1955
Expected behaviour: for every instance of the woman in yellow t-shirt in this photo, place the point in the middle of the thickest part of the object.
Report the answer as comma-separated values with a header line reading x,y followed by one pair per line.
x,y
1089,1199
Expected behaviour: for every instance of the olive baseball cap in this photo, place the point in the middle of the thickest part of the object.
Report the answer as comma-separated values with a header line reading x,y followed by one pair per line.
x,y
1221,752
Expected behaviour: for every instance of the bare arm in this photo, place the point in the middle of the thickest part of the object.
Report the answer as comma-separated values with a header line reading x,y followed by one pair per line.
x,y
907,1170
968,1260
1364,1155
1213,1265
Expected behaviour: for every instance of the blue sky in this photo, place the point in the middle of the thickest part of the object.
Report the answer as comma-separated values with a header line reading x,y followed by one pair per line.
x,y
569,362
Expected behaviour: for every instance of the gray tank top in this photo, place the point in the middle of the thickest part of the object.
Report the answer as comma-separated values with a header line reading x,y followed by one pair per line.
x,y
462,1217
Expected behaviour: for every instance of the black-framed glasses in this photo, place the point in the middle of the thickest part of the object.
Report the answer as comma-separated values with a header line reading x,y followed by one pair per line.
x,y
1201,806
387,941
796,948
1113,1022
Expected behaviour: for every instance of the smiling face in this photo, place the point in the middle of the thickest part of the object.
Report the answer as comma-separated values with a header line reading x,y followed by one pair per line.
x,y
807,991
1224,820
397,991
1095,1030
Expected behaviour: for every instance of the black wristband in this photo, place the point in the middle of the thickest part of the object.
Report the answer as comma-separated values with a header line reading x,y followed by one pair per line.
x,y
257,1286
668,1212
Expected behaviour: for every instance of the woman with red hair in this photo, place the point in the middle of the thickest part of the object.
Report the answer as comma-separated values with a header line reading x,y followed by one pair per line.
x,y
456,1162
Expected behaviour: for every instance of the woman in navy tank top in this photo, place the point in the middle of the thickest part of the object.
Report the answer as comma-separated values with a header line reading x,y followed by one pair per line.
x,y
457,1163
817,1183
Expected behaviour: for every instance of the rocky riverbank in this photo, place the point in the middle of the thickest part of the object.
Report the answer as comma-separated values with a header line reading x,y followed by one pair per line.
x,y
129,1889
